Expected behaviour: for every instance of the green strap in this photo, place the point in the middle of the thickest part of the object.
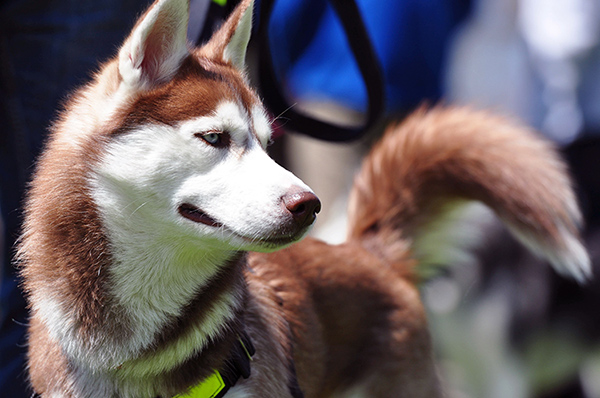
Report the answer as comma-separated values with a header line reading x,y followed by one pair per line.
x,y
214,386
209,388
222,3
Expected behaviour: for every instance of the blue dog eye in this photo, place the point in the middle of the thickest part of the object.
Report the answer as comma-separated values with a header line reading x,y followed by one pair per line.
x,y
218,139
212,138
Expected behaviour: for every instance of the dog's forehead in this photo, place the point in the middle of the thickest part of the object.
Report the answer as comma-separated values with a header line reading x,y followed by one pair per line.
x,y
202,90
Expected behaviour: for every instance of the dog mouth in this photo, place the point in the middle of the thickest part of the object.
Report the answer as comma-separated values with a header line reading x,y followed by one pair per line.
x,y
196,215
277,239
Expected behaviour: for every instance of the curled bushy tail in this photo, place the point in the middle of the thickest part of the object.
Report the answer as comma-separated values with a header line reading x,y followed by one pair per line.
x,y
444,156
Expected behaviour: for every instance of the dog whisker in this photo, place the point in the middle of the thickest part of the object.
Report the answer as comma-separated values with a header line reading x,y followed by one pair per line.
x,y
280,116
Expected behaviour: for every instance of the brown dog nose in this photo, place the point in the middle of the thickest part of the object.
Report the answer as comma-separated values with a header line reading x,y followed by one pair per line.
x,y
303,206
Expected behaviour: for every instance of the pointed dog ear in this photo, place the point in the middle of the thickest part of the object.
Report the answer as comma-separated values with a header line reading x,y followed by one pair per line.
x,y
230,42
156,46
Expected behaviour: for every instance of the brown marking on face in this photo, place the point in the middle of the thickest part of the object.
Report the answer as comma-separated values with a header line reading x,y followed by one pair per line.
x,y
194,91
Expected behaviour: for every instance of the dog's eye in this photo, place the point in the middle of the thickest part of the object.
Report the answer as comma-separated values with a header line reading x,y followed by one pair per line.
x,y
212,138
216,139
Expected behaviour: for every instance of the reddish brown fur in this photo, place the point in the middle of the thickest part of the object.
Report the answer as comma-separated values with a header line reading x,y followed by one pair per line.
x,y
343,316
63,230
48,367
441,155
352,317
194,91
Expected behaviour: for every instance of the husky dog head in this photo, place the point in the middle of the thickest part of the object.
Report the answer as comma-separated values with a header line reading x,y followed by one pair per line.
x,y
188,159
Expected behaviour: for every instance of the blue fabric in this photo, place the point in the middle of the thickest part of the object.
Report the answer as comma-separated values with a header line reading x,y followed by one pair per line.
x,y
313,59
47,48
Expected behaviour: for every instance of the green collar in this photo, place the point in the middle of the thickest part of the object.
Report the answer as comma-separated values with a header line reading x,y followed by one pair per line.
x,y
219,382
212,387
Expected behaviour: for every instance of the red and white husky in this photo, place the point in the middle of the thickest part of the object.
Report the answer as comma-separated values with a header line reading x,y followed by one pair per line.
x,y
155,185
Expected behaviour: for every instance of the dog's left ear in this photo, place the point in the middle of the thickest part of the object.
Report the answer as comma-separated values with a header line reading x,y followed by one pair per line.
x,y
156,46
230,42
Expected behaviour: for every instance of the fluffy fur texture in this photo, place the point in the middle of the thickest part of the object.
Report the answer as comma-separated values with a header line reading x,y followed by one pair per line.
x,y
155,185
441,157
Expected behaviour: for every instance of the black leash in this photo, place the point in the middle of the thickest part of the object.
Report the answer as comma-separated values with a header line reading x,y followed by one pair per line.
x,y
365,57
